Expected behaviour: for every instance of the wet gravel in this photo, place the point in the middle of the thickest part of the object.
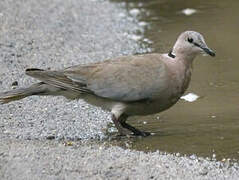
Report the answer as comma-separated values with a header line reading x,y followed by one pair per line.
x,y
33,132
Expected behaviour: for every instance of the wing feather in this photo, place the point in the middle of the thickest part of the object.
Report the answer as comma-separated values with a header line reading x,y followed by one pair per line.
x,y
129,78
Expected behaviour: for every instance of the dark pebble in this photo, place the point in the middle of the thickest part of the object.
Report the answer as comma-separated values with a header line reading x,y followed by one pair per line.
x,y
15,83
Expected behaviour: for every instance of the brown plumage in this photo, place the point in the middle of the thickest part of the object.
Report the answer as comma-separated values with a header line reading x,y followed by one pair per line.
x,y
126,86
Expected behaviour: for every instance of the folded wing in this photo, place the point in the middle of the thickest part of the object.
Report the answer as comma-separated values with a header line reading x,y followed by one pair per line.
x,y
130,78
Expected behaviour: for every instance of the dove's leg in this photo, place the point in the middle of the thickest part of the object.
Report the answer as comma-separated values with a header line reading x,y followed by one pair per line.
x,y
119,118
126,129
121,130
135,131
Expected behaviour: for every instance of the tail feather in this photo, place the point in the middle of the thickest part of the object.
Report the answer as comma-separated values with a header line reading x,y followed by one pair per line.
x,y
9,96
21,93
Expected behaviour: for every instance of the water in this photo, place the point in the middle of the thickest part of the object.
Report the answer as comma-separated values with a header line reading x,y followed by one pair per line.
x,y
208,126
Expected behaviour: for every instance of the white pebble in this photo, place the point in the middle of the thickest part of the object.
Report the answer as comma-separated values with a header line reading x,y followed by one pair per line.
x,y
190,97
122,15
135,37
134,12
189,11
142,23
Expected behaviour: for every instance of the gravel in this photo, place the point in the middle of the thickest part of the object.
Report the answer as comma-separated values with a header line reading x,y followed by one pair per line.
x,y
57,160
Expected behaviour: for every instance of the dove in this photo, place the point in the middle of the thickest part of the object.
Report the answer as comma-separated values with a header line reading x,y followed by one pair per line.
x,y
134,85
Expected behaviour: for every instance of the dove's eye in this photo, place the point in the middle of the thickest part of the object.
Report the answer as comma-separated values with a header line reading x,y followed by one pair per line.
x,y
190,40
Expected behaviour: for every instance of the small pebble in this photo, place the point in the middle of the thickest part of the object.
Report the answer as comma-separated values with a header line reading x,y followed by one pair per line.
x,y
134,12
15,83
69,143
189,11
190,97
50,137
142,23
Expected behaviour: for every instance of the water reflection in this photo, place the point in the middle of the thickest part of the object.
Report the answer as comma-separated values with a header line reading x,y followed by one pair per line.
x,y
209,125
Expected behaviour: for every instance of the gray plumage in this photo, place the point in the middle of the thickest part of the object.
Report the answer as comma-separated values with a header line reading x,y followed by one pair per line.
x,y
127,85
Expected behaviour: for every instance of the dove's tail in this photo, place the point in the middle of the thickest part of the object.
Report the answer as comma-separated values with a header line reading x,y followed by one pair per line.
x,y
17,94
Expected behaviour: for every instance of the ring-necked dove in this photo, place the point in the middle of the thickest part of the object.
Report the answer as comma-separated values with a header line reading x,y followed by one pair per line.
x,y
127,85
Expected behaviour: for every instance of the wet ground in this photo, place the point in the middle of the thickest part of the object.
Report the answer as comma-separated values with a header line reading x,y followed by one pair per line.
x,y
208,126
52,138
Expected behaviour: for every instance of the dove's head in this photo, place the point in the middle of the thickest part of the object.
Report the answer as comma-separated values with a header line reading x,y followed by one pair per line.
x,y
191,43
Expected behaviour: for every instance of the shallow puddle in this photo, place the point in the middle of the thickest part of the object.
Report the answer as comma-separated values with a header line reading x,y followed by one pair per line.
x,y
208,126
